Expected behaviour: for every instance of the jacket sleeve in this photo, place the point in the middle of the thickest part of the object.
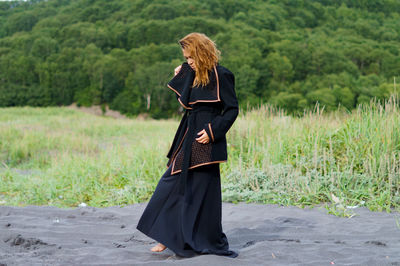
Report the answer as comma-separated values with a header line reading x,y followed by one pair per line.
x,y
220,125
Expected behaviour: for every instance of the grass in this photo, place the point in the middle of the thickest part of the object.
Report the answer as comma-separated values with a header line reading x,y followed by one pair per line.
x,y
62,157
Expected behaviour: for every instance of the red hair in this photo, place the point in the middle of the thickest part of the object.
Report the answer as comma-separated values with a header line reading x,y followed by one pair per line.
x,y
204,53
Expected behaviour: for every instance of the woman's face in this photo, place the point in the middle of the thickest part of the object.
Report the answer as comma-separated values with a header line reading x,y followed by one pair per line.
x,y
189,59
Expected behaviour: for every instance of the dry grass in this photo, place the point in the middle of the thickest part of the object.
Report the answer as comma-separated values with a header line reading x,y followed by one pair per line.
x,y
59,156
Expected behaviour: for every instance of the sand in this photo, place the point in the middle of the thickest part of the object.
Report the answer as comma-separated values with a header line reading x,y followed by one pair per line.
x,y
262,234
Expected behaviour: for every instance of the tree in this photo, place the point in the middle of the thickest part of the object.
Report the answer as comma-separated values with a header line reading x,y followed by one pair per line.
x,y
287,52
280,67
21,21
324,97
344,96
44,47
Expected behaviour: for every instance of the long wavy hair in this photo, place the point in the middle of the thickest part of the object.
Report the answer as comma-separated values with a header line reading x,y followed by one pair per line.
x,y
204,53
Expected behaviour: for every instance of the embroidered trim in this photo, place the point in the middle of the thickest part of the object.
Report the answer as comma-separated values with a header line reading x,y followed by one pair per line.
x,y
212,134
194,166
174,90
184,106
179,146
218,98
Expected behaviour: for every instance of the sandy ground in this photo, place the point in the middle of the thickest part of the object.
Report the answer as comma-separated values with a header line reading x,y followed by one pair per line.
x,y
262,234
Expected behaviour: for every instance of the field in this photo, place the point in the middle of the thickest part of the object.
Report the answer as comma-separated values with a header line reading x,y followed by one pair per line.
x,y
63,157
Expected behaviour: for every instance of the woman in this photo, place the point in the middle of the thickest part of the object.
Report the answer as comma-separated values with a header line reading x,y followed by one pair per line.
x,y
184,213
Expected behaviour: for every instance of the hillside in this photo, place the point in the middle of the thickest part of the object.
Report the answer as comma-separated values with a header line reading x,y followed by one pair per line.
x,y
122,53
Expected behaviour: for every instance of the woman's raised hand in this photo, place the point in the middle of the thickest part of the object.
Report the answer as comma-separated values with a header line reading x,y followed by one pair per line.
x,y
177,69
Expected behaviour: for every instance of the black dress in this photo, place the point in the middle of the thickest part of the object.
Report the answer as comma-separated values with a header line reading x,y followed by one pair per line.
x,y
184,213
187,229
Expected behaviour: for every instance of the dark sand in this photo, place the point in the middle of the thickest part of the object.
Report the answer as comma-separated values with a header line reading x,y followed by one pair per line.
x,y
262,234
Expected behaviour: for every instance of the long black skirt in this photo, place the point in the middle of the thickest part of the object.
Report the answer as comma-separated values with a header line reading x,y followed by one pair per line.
x,y
187,229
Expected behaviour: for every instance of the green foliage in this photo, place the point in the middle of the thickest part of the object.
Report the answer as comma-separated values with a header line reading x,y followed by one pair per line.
x,y
325,97
59,156
344,96
292,101
289,53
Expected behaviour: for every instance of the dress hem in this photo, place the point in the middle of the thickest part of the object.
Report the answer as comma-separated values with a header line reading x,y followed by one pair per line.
x,y
227,253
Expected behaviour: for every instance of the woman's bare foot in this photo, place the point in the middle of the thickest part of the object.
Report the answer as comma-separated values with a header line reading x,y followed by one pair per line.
x,y
158,248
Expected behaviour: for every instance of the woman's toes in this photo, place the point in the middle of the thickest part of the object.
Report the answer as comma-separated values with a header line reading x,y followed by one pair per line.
x,y
158,248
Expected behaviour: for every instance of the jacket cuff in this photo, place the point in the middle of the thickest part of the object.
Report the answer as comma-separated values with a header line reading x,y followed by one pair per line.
x,y
208,129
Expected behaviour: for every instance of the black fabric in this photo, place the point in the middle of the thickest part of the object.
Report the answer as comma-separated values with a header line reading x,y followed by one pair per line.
x,y
193,153
182,82
184,212
187,229
216,123
222,123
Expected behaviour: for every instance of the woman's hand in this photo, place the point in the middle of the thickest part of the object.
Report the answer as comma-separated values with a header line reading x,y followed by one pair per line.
x,y
177,69
204,139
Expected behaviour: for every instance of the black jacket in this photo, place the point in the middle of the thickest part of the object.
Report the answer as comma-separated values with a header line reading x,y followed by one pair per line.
x,y
213,107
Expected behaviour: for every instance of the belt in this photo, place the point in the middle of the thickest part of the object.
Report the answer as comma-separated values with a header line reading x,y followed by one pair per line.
x,y
190,115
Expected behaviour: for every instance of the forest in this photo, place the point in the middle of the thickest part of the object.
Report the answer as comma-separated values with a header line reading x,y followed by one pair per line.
x,y
121,53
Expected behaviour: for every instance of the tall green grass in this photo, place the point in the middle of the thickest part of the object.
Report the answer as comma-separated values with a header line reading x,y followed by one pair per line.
x,y
339,157
62,157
